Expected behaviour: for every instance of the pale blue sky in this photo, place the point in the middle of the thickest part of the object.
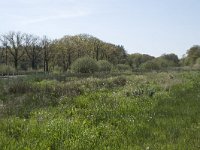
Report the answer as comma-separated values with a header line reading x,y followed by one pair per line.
x,y
145,26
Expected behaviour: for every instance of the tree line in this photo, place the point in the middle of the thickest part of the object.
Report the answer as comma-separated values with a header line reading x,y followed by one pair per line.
x,y
24,51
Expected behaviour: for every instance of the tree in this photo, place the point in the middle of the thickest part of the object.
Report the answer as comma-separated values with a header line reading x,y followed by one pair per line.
x,y
71,48
171,58
4,50
135,60
47,52
79,45
67,50
13,41
193,54
116,54
1,54
32,48
96,47
163,63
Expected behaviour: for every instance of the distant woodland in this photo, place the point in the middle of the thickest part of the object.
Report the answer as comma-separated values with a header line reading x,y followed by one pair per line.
x,y
25,52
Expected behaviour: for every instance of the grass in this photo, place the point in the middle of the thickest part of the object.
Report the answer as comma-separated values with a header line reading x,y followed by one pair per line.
x,y
147,111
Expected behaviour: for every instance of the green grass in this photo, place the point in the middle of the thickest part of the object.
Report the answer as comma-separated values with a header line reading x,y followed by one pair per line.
x,y
149,111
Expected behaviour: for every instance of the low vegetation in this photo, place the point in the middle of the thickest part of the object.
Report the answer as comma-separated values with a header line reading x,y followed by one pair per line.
x,y
126,111
6,70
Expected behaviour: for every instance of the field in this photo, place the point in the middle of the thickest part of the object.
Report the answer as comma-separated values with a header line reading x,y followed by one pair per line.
x,y
125,111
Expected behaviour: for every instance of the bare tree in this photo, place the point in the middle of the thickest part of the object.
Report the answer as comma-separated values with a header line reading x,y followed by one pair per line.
x,y
14,44
4,50
32,49
96,47
47,52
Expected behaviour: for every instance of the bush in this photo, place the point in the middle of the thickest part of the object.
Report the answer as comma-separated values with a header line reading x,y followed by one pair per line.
x,y
5,69
84,65
104,66
198,61
57,70
123,67
120,81
150,65
196,66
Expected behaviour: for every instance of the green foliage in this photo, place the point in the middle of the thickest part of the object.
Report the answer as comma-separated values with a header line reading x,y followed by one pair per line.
x,y
164,63
150,65
135,60
198,61
120,81
158,63
123,67
123,112
197,64
104,66
171,58
193,54
57,70
84,65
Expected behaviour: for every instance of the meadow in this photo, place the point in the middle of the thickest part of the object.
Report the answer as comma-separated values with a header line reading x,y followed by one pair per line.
x,y
128,111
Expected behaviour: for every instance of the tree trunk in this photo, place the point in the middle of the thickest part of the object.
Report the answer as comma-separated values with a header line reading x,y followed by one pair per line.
x,y
16,64
97,54
33,64
47,66
69,59
6,57
44,66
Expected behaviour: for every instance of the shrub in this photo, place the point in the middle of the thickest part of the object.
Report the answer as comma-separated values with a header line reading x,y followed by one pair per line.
x,y
5,69
84,65
197,65
57,70
20,86
198,61
150,65
123,67
120,81
104,66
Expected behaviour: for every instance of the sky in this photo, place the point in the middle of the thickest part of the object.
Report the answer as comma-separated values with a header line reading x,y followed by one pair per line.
x,y
152,27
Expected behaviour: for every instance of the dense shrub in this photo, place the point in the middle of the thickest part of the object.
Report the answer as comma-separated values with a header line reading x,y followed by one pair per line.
x,y
84,65
157,64
150,65
104,66
123,67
